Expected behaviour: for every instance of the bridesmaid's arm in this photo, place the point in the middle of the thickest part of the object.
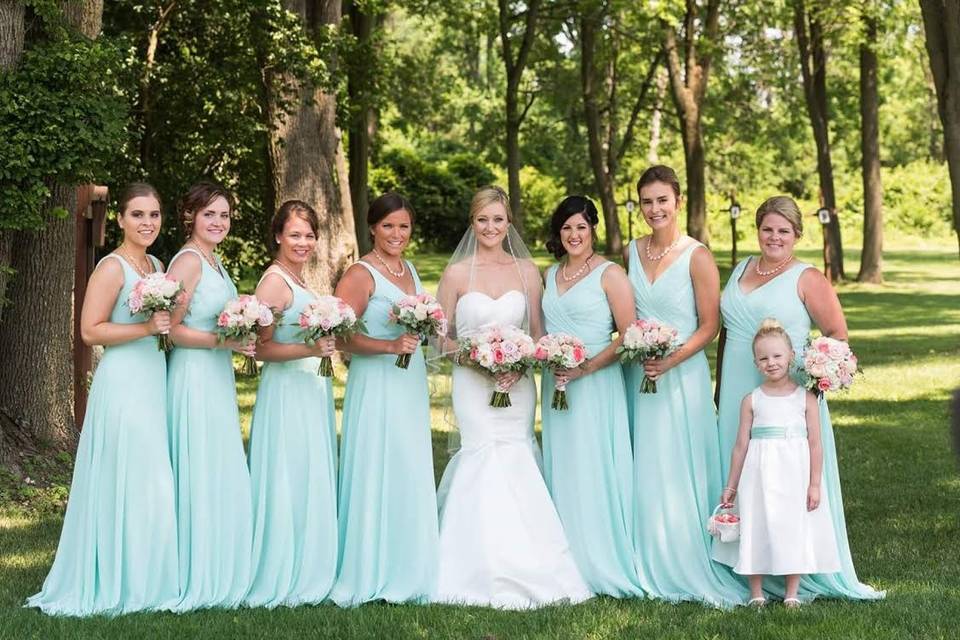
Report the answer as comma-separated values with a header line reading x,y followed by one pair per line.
x,y
274,292
822,303
706,289
739,450
104,286
355,288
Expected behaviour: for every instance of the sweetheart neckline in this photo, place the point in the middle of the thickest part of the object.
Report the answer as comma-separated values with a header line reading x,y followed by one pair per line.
x,y
489,297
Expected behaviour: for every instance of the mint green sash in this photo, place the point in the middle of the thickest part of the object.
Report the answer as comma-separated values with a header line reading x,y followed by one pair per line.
x,y
763,432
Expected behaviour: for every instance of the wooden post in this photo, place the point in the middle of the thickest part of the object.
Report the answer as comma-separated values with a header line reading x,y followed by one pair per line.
x,y
90,214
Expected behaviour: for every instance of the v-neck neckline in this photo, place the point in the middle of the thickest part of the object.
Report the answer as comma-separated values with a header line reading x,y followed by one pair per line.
x,y
556,274
394,284
666,269
771,280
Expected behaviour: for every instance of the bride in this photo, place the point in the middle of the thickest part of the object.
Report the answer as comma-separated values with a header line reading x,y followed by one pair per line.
x,y
501,542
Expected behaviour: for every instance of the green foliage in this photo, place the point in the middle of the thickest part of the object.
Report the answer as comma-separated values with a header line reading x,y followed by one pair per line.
x,y
61,120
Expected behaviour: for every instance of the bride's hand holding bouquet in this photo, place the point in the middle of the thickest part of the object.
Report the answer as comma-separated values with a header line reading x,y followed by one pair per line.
x,y
499,350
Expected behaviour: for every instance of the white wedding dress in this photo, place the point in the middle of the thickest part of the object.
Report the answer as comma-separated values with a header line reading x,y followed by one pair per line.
x,y
501,541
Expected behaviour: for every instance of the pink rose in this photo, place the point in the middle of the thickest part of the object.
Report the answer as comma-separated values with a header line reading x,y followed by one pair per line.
x,y
223,320
823,384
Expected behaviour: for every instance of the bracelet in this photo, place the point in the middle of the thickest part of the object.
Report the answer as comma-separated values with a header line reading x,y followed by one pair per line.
x,y
730,489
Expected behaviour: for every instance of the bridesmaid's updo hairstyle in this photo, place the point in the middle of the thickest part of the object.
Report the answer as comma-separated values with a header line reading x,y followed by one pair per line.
x,y
287,210
659,173
387,204
136,190
770,327
569,207
489,195
196,198
782,206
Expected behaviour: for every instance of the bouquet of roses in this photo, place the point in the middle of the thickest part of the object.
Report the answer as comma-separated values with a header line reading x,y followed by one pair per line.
x,y
241,319
328,316
829,365
645,340
420,314
560,351
498,349
155,292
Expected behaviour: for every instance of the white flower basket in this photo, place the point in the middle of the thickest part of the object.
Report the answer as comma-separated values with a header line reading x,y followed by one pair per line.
x,y
720,527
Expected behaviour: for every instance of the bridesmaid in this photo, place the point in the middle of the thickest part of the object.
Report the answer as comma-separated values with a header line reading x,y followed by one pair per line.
x,y
388,505
587,461
209,466
293,437
118,547
676,448
777,285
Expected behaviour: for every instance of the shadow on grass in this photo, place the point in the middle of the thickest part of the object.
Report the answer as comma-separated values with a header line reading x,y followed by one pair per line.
x,y
884,308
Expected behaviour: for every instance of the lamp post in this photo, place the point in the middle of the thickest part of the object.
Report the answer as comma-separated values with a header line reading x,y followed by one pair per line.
x,y
734,212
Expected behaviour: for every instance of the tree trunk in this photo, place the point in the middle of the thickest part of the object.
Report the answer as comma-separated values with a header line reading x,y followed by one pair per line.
x,y
689,68
12,31
941,21
303,156
813,66
603,178
871,259
36,336
362,121
514,66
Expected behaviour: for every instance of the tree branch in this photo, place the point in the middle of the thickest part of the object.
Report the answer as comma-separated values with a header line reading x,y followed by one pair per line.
x,y
635,113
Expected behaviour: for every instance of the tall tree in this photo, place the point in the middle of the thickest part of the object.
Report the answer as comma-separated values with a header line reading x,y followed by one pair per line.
x,y
871,259
808,28
689,59
365,21
36,334
515,49
600,43
12,31
305,153
941,22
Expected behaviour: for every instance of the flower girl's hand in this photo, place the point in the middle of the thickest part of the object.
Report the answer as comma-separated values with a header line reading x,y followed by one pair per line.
x,y
507,379
243,348
813,498
727,496
159,322
325,347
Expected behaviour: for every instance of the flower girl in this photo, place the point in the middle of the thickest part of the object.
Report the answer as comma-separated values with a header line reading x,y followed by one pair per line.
x,y
775,474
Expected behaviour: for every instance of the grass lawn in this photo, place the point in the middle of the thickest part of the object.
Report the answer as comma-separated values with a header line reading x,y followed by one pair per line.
x,y
901,491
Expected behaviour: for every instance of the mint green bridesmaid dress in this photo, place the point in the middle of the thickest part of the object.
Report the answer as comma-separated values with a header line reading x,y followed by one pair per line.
x,y
676,453
118,547
389,535
293,462
209,466
742,315
587,461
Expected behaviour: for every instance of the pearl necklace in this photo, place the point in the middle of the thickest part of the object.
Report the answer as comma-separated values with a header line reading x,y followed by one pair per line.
x,y
772,271
210,261
297,279
660,256
586,264
395,274
133,263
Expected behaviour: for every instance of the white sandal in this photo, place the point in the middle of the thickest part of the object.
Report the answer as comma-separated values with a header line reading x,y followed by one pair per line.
x,y
757,602
791,603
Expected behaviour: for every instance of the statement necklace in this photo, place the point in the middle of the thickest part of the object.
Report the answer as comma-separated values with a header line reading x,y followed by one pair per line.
x,y
586,264
206,256
297,279
774,270
133,263
395,274
659,256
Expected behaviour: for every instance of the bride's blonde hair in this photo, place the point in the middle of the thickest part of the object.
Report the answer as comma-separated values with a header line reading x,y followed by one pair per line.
x,y
489,195
771,327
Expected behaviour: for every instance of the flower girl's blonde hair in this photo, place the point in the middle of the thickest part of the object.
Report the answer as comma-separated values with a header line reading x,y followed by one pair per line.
x,y
771,327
